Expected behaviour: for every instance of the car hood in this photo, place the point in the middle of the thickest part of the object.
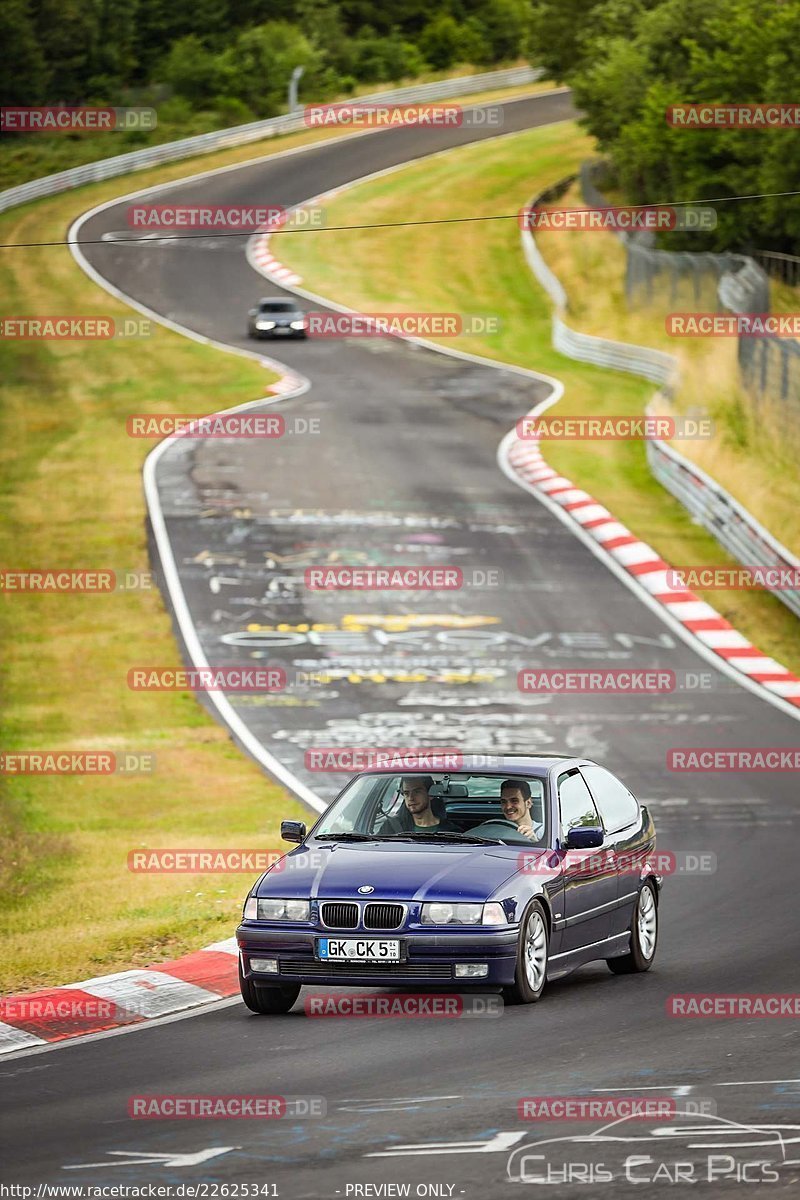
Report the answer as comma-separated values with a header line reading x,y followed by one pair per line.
x,y
396,872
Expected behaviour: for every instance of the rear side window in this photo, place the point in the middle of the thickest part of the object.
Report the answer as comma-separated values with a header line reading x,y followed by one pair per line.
x,y
618,807
575,802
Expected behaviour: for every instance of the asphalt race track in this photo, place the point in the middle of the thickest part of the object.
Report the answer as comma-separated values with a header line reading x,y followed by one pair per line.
x,y
404,470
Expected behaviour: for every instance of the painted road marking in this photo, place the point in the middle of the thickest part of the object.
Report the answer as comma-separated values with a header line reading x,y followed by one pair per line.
x,y
138,1158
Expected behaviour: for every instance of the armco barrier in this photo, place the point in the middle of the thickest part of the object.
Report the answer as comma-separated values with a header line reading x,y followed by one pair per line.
x,y
731,524
240,135
712,507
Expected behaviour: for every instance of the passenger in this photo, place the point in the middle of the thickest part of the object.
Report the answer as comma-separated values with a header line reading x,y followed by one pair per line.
x,y
421,812
516,803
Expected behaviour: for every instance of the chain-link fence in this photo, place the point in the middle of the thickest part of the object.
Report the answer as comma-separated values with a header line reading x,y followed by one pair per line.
x,y
739,283
783,267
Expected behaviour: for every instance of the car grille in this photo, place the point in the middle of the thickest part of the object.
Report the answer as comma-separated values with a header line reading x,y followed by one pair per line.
x,y
383,916
340,916
307,966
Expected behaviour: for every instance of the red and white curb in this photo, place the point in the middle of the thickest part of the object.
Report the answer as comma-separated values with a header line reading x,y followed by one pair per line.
x,y
651,572
262,256
259,251
113,1001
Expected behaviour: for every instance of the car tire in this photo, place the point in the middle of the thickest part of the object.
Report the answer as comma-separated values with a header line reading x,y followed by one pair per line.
x,y
530,976
644,935
268,1001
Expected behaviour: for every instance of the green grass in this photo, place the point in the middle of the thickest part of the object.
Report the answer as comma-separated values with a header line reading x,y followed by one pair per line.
x,y
478,267
70,484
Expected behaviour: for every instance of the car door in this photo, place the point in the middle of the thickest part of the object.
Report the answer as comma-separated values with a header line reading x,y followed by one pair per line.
x,y
626,837
589,876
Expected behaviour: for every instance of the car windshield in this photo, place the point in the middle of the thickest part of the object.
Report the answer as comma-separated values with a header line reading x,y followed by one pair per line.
x,y
458,807
277,306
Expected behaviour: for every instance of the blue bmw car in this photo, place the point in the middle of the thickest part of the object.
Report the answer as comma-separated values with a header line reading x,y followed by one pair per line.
x,y
497,876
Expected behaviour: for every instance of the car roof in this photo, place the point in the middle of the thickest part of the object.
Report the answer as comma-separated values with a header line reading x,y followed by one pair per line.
x,y
278,300
486,764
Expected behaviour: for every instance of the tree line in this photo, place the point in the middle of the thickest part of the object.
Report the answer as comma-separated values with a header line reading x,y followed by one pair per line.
x,y
238,55
629,60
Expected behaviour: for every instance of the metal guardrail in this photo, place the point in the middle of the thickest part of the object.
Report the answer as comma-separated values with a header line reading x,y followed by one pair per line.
x,y
732,525
240,135
584,347
729,522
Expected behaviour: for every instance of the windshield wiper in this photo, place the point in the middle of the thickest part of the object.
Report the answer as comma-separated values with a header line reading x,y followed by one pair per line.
x,y
345,837
439,837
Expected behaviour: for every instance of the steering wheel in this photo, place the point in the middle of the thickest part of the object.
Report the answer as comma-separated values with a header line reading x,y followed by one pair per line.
x,y
493,825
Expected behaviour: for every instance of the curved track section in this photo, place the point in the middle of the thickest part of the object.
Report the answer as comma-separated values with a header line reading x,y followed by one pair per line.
x,y
404,470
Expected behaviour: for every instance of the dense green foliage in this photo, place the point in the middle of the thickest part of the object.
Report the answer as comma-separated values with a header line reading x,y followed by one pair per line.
x,y
627,60
241,52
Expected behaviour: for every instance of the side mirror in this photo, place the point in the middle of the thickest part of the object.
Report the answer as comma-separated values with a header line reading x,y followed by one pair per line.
x,y
293,831
585,837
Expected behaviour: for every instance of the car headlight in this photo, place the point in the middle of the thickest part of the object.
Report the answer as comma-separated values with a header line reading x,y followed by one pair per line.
x,y
298,324
265,324
451,914
439,913
283,910
250,909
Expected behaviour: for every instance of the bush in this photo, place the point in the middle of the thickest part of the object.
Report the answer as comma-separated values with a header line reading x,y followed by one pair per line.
x,y
190,69
441,42
381,59
231,111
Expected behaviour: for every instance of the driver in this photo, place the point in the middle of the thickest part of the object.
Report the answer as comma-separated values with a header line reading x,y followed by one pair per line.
x,y
420,812
516,803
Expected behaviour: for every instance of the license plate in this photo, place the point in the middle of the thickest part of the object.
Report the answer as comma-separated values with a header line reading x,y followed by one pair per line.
x,y
360,949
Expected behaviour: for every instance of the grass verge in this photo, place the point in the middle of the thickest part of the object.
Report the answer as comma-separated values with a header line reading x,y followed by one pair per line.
x,y
478,267
750,453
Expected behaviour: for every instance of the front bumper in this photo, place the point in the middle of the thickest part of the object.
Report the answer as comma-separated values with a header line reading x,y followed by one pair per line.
x,y
280,331
428,958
